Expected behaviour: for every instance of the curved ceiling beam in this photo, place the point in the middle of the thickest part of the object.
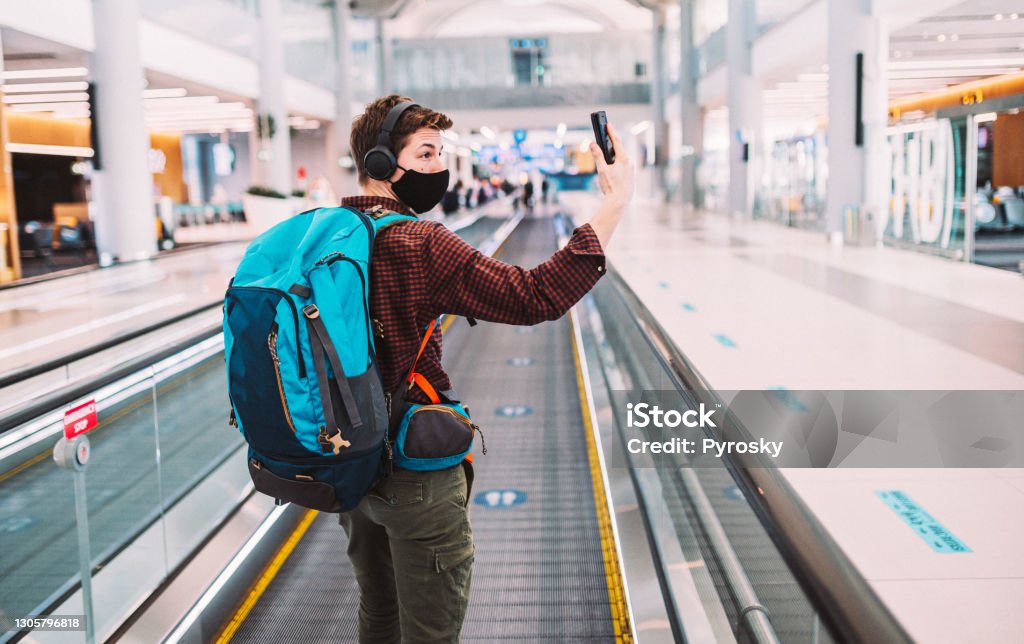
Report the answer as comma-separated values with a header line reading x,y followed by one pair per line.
x,y
588,12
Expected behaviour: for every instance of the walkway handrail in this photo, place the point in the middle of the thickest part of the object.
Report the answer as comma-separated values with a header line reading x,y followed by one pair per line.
x,y
25,373
14,377
39,406
839,593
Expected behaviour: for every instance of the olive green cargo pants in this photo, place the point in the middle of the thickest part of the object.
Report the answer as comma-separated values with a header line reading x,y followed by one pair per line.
x,y
411,546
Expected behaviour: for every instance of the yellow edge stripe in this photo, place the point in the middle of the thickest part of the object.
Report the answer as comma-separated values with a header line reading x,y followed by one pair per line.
x,y
613,576
266,577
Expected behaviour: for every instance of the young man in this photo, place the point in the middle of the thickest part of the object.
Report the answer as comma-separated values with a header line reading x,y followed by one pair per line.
x,y
410,540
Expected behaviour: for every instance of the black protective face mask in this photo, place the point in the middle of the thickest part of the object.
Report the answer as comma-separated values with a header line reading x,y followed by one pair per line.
x,y
420,191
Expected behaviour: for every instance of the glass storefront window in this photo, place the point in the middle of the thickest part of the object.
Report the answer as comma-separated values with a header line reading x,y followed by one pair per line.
x,y
925,208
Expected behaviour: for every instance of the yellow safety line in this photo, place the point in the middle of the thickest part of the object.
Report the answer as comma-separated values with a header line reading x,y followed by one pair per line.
x,y
266,577
24,466
613,576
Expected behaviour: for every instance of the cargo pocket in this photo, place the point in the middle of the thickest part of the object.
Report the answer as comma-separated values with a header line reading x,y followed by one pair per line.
x,y
454,558
396,493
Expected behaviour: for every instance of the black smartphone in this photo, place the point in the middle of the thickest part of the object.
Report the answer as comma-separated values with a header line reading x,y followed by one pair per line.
x,y
600,122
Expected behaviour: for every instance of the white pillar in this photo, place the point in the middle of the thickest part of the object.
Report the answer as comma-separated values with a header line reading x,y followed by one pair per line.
x,y
275,159
342,180
466,170
659,124
123,186
856,173
383,58
692,118
744,105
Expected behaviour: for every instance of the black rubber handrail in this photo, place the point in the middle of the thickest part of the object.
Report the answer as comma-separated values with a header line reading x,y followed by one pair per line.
x,y
25,373
46,404
843,598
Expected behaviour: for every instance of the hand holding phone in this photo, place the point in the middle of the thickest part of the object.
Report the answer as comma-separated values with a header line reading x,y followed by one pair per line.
x,y
600,122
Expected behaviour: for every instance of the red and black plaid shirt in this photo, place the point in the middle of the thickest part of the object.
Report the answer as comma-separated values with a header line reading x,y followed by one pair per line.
x,y
421,270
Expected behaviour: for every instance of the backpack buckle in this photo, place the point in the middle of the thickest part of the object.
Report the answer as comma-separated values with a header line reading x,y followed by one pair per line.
x,y
311,311
332,443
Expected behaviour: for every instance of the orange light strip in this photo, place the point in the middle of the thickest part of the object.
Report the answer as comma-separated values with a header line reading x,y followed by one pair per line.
x,y
970,93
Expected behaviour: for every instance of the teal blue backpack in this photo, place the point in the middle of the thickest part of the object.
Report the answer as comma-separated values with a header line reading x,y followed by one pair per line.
x,y
302,375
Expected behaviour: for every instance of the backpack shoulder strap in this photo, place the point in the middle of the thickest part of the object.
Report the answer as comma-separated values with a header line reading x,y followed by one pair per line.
x,y
382,218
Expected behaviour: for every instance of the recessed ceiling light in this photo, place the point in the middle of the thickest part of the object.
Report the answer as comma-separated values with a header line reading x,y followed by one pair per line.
x,y
897,54
1013,16
998,16
941,38
954,37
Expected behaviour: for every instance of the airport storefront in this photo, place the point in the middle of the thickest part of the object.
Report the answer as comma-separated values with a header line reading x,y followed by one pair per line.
x,y
957,174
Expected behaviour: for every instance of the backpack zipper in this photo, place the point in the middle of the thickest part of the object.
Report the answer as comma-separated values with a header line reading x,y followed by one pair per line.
x,y
329,259
272,343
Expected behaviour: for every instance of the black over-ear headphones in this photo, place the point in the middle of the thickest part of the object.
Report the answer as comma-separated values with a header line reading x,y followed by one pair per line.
x,y
380,162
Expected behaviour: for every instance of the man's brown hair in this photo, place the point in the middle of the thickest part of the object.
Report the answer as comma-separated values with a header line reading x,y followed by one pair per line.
x,y
366,127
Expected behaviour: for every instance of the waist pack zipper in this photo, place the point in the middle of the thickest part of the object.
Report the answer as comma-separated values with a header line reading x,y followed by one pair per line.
x,y
472,426
272,343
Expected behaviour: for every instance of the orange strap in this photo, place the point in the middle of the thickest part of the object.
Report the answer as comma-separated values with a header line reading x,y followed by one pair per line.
x,y
427,388
418,378
423,345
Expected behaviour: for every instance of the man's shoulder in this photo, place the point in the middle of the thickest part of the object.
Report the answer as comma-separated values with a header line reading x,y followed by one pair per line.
x,y
407,232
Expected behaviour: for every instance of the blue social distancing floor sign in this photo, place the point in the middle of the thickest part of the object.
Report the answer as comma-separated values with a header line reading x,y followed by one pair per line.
x,y
934,533
506,498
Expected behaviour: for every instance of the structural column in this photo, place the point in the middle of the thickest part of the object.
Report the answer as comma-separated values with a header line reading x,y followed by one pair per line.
x,y
383,57
275,156
10,261
744,105
692,119
856,133
342,180
122,184
660,125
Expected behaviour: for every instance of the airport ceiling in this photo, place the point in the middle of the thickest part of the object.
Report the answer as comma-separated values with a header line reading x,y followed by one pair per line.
x,y
932,45
424,18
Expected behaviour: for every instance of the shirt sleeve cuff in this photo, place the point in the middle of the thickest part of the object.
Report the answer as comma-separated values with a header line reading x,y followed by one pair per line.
x,y
584,241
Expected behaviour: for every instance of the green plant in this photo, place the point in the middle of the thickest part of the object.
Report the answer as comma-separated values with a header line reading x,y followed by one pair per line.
x,y
265,191
299,193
